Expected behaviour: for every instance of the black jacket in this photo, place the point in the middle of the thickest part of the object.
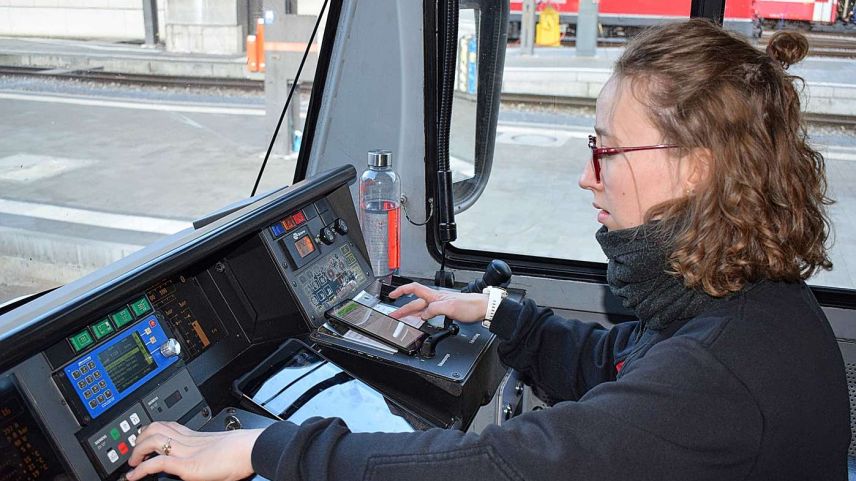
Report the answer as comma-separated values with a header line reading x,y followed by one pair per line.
x,y
751,389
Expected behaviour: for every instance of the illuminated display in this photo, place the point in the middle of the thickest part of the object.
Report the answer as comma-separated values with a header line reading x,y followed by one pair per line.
x,y
127,361
293,220
304,246
81,340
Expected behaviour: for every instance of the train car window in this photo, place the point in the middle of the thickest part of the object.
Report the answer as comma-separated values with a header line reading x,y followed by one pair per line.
x,y
530,203
110,143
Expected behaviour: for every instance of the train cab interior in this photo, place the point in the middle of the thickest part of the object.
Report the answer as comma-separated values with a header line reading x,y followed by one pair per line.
x,y
224,325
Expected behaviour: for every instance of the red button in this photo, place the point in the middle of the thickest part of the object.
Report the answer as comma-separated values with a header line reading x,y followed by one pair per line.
x,y
152,323
123,448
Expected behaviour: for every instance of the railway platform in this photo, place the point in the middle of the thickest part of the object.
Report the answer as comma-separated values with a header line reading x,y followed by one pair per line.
x,y
830,82
127,58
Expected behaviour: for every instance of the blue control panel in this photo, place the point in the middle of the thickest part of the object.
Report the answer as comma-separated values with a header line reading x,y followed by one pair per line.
x,y
111,371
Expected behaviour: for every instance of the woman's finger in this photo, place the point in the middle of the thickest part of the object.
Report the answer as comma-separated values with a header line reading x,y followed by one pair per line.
x,y
411,307
416,289
173,465
159,444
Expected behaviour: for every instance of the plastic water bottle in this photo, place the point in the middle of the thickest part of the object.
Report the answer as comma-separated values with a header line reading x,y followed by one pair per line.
x,y
380,194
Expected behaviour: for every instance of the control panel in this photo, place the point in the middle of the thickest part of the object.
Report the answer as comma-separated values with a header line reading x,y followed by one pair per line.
x,y
113,370
314,251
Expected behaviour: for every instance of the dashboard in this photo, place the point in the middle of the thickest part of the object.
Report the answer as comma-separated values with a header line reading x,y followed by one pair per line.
x,y
165,335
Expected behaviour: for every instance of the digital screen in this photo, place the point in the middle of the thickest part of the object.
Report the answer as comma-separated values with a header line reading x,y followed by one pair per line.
x,y
304,246
127,361
27,456
380,325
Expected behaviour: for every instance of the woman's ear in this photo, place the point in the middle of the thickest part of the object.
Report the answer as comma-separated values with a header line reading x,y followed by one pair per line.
x,y
700,165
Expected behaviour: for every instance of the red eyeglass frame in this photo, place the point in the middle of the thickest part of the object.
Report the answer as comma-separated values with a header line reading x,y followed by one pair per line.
x,y
598,153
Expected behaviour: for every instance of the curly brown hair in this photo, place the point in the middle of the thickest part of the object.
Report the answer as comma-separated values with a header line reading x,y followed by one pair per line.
x,y
761,213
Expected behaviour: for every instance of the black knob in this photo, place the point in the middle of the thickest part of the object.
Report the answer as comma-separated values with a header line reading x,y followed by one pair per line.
x,y
340,226
327,235
497,273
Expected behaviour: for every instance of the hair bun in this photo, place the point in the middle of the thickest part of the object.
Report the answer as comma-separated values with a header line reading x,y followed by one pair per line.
x,y
787,48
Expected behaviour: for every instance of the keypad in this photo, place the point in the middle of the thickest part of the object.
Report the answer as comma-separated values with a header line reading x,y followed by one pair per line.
x,y
112,444
93,384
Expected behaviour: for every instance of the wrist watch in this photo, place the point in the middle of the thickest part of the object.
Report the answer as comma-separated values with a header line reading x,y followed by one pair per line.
x,y
495,297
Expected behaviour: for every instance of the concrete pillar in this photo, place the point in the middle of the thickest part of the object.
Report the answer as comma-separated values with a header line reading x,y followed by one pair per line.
x,y
587,29
527,28
150,17
285,40
206,26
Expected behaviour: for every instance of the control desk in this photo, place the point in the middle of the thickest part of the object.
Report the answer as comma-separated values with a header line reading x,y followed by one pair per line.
x,y
201,326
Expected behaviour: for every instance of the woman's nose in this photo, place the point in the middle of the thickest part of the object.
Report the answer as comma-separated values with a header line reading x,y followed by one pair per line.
x,y
587,179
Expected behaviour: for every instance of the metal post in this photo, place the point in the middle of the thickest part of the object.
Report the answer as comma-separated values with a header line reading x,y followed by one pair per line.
x,y
150,18
527,28
587,29
293,119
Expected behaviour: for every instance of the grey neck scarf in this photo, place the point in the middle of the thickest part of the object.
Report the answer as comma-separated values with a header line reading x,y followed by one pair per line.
x,y
636,274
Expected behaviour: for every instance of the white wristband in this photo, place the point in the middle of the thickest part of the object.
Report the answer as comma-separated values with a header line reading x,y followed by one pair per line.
x,y
495,297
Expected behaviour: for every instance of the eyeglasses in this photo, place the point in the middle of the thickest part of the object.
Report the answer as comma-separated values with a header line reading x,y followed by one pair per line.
x,y
599,153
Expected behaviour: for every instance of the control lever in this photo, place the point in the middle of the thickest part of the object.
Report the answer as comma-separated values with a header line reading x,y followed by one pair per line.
x,y
498,273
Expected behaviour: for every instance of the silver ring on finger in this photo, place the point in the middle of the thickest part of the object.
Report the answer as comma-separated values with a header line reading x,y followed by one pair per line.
x,y
167,447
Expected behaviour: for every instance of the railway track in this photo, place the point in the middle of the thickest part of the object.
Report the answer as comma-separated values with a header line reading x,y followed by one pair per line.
x,y
258,86
138,79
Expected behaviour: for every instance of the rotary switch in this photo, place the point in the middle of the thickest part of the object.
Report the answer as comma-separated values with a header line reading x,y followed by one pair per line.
x,y
327,235
341,226
170,348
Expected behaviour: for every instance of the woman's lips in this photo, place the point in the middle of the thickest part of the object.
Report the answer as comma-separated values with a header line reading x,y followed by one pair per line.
x,y
602,214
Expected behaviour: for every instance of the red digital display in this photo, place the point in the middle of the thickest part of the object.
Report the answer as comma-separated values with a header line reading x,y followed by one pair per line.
x,y
293,220
304,246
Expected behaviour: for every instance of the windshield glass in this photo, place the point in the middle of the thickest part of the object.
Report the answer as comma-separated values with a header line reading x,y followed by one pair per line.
x,y
123,124
555,65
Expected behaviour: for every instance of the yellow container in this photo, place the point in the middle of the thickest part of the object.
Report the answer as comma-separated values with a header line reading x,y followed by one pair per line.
x,y
547,33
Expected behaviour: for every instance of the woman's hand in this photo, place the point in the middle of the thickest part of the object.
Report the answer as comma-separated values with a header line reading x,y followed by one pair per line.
x,y
457,305
223,456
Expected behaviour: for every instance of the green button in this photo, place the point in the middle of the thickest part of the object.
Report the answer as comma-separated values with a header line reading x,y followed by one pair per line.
x,y
81,340
121,318
141,306
102,329
114,433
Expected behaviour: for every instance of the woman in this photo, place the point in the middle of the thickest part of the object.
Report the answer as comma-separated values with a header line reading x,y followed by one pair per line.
x,y
711,223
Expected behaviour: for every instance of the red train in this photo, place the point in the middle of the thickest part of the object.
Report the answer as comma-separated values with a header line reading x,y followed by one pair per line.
x,y
621,16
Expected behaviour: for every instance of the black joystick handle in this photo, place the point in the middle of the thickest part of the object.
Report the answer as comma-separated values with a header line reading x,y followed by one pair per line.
x,y
497,274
